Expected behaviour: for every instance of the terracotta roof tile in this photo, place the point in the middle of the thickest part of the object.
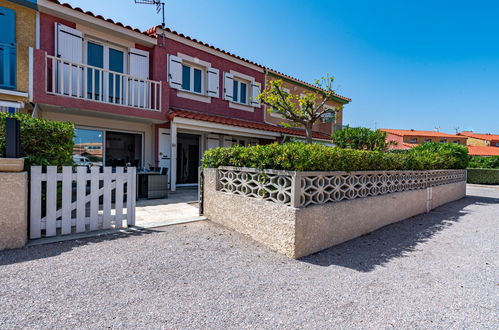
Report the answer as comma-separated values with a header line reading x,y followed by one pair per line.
x,y
480,136
67,5
403,132
483,151
241,123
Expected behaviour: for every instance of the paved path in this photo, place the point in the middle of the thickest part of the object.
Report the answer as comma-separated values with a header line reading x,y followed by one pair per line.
x,y
434,271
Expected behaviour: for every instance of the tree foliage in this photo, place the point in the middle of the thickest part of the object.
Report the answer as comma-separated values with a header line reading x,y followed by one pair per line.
x,y
300,110
361,138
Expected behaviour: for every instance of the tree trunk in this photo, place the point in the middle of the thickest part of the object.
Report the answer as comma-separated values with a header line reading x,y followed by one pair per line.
x,y
308,130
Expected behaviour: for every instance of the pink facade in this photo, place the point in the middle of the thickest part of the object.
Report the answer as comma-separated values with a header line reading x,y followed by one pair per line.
x,y
41,77
218,105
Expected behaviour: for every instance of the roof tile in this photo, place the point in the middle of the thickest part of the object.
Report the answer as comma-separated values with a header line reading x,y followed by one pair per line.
x,y
241,123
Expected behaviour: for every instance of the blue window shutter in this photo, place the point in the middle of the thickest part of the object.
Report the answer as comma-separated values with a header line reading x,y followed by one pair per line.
x,y
8,24
186,77
235,92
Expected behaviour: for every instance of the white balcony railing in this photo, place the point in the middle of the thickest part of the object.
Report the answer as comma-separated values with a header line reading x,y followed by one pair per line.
x,y
88,82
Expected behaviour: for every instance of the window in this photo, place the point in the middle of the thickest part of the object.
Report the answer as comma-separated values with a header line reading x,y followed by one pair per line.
x,y
497,144
456,142
443,141
192,79
427,140
109,148
329,116
7,48
88,147
240,91
413,140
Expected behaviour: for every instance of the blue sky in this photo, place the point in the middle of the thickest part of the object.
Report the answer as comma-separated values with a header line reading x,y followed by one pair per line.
x,y
406,64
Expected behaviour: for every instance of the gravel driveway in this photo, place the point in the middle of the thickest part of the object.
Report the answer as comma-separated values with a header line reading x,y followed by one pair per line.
x,y
439,270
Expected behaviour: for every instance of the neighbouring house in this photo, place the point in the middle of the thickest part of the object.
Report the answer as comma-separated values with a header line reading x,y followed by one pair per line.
x,y
323,129
407,139
154,98
480,139
482,144
17,35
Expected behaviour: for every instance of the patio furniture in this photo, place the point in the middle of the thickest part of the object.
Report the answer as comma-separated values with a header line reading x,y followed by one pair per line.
x,y
152,184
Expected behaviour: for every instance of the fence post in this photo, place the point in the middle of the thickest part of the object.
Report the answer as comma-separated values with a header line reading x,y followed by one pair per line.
x,y
296,189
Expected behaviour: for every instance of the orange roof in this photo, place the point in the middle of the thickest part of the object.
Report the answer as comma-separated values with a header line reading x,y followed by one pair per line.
x,y
241,123
480,136
483,151
411,132
67,5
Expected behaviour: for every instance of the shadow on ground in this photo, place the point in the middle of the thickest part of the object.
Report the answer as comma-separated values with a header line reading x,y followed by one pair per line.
x,y
48,250
396,240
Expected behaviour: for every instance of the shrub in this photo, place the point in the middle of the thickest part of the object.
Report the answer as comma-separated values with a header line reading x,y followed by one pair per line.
x,y
483,175
484,162
438,155
43,142
361,138
315,157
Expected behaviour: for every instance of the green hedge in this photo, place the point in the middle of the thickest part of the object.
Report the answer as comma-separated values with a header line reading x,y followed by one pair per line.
x,y
484,162
43,142
483,175
315,157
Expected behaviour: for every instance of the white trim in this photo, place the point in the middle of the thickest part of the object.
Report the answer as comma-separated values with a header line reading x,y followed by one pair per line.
x,y
37,31
223,129
194,60
30,72
173,161
60,11
242,76
13,93
11,104
210,50
241,106
193,96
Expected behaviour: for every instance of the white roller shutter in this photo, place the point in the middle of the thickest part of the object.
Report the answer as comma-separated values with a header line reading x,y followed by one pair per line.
x,y
213,82
69,47
175,71
228,86
255,91
139,68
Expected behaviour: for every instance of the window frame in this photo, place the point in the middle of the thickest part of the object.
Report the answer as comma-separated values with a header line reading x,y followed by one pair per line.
x,y
192,68
237,82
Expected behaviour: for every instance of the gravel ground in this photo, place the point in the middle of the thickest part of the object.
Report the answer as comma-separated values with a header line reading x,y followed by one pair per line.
x,y
439,270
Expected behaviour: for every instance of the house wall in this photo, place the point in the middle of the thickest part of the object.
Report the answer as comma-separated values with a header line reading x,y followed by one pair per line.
x,y
25,38
157,65
14,215
422,139
477,142
217,106
297,89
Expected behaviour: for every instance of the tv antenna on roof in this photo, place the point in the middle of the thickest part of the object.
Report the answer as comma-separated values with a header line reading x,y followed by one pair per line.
x,y
437,129
160,6
457,129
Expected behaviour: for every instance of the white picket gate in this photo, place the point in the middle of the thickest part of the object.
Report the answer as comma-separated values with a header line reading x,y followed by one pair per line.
x,y
80,207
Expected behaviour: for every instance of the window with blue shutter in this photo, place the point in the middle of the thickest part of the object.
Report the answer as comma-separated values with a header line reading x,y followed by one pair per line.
x,y
7,48
186,77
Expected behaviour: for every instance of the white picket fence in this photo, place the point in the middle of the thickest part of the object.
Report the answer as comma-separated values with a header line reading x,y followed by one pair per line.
x,y
80,208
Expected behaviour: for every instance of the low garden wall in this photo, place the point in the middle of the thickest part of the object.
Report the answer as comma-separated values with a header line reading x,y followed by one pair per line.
x,y
300,213
483,175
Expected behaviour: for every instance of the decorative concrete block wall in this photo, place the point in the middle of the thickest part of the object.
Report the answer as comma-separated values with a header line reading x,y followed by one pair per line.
x,y
300,213
13,209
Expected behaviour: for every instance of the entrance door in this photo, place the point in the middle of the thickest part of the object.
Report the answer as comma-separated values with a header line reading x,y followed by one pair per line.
x,y
187,158
165,150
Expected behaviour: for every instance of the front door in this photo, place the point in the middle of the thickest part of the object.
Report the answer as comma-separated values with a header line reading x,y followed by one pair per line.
x,y
187,158
164,149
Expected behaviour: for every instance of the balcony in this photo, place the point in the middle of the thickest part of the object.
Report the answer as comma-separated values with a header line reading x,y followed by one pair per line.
x,y
86,82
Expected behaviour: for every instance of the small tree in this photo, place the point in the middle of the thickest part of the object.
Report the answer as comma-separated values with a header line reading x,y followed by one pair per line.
x,y
300,110
362,138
